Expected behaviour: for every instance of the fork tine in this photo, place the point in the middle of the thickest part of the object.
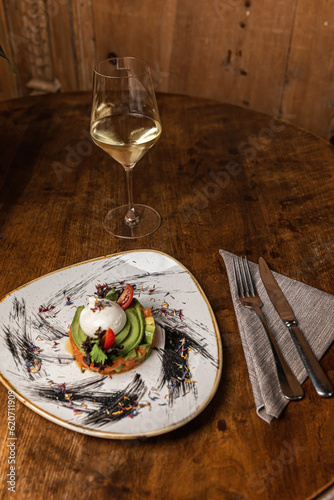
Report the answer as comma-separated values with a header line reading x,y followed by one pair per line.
x,y
236,277
250,279
245,280
242,283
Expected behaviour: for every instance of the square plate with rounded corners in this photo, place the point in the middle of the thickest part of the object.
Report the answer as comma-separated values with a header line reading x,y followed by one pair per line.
x,y
169,389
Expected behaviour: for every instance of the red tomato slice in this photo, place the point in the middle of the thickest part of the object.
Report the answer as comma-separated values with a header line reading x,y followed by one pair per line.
x,y
109,339
126,298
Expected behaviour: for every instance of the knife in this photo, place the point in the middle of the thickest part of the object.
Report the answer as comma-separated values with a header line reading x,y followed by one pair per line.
x,y
318,377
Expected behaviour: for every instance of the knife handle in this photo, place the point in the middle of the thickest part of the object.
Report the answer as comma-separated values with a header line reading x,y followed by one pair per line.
x,y
318,377
289,384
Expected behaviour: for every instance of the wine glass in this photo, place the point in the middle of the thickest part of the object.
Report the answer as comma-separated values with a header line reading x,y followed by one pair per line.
x,y
125,123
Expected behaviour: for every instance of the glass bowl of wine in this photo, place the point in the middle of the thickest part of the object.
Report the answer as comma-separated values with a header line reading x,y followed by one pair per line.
x,y
125,123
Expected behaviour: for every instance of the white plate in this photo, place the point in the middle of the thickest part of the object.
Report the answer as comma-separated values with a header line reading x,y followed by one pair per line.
x,y
156,397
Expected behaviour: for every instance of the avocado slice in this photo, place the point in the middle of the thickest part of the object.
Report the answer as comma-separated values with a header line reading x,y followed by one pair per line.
x,y
131,354
135,335
139,310
119,368
149,333
78,334
123,333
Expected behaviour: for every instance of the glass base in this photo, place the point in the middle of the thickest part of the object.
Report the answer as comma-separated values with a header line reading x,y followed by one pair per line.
x,y
148,222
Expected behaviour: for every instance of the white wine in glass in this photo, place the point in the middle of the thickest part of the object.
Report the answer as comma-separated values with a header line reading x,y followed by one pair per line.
x,y
125,123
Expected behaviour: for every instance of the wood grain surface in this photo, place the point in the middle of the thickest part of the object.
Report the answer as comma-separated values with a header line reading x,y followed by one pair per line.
x,y
221,177
264,55
309,43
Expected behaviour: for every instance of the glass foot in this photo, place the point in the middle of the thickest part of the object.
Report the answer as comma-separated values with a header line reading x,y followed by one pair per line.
x,y
149,221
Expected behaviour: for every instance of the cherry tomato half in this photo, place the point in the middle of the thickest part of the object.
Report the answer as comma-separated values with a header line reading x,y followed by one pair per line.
x,y
109,339
126,298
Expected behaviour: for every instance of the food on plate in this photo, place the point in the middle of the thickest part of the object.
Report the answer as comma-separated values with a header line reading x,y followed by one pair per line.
x,y
113,333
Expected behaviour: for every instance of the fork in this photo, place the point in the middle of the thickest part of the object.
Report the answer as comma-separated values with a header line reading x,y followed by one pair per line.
x,y
249,298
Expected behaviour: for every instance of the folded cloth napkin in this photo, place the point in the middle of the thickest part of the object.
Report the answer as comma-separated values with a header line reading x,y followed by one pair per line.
x,y
314,311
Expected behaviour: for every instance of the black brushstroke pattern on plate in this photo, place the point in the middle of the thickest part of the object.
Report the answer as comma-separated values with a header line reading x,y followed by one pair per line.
x,y
18,340
175,371
20,336
179,343
100,407
193,331
48,327
143,280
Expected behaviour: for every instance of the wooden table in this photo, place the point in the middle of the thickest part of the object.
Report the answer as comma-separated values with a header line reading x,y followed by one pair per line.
x,y
221,177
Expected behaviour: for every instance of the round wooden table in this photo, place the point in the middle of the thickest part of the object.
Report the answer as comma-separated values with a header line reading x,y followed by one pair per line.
x,y
221,177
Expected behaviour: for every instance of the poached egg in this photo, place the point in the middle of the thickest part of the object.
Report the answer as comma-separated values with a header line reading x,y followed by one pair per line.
x,y
104,314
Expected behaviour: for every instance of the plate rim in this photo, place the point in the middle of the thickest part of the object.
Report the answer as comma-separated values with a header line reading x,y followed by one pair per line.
x,y
120,435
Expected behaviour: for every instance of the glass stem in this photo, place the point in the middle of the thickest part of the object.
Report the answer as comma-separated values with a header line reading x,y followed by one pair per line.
x,y
131,217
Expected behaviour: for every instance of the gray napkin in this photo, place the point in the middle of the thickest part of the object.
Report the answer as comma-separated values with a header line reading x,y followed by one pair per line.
x,y
314,310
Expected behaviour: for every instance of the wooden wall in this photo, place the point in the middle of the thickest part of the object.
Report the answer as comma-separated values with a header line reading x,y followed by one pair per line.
x,y
269,55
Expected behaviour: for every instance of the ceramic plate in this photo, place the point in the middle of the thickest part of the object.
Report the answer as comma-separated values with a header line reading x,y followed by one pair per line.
x,y
169,389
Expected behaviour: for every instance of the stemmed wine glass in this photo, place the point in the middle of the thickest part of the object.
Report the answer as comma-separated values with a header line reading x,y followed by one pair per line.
x,y
125,123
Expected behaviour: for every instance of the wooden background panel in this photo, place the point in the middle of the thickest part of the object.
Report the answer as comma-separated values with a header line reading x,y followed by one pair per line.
x,y
84,37
208,48
309,89
30,31
60,19
8,82
265,55
234,52
142,29
18,40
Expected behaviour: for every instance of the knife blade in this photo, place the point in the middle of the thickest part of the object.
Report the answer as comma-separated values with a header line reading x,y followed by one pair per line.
x,y
318,377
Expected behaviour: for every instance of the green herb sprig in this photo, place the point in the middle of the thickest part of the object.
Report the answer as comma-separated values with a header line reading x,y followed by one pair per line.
x,y
2,54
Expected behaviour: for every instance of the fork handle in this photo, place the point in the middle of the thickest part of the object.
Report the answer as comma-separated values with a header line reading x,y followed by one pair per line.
x,y
290,386
318,377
